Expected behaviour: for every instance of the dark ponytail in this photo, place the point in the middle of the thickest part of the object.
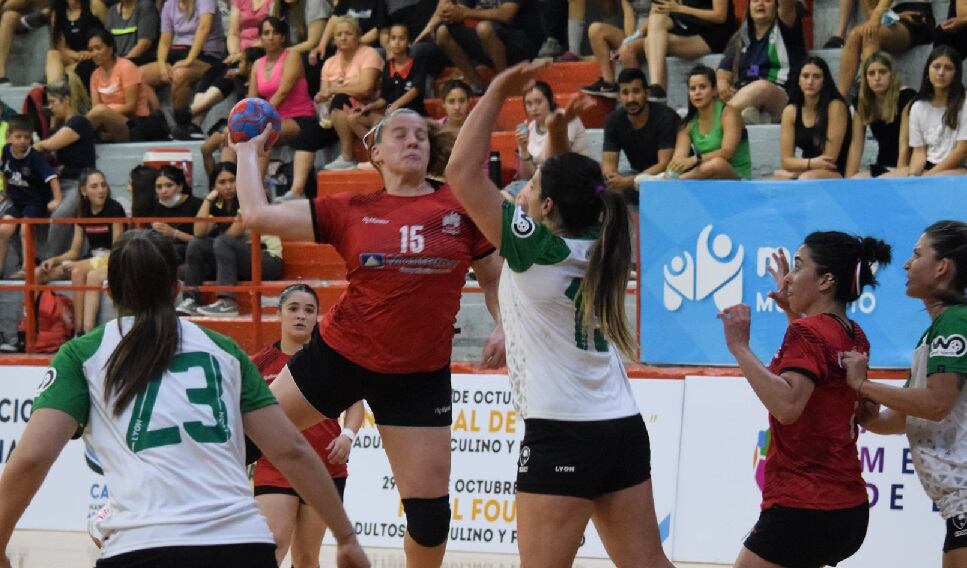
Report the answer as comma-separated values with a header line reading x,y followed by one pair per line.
x,y
949,240
142,278
849,259
575,184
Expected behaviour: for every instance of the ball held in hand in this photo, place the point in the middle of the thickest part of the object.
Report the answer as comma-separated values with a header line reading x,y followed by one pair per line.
x,y
249,117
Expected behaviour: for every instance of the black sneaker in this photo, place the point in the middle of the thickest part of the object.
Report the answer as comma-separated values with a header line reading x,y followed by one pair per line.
x,y
657,94
195,133
181,132
4,81
34,20
834,42
182,116
601,88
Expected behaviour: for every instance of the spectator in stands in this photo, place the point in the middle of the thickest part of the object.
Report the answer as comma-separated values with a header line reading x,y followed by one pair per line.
x,y
938,119
884,106
221,250
278,78
70,23
72,142
688,30
913,27
350,79
119,98
19,15
141,187
643,130
456,104
417,17
951,32
370,17
31,184
712,141
532,137
200,255
192,40
174,200
825,141
760,58
503,35
402,85
629,43
85,262
135,25
215,94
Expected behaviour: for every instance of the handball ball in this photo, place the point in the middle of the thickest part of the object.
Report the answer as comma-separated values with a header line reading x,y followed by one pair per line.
x,y
249,117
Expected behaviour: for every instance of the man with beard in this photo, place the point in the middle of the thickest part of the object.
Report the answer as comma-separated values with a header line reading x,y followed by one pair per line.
x,y
644,130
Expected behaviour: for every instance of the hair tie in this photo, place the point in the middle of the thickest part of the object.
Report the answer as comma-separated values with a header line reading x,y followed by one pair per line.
x,y
599,189
857,287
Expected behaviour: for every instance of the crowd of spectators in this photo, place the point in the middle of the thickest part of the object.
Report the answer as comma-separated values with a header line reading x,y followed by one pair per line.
x,y
333,69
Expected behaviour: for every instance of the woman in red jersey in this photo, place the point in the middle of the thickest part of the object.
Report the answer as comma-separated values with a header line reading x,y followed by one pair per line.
x,y
814,504
388,339
289,518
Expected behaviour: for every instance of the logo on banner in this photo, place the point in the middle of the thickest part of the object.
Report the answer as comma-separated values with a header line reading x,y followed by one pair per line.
x,y
760,456
714,270
948,346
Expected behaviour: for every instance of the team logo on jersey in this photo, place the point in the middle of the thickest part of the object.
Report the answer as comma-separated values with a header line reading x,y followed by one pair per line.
x,y
709,273
451,223
49,377
960,522
948,346
372,259
522,225
525,455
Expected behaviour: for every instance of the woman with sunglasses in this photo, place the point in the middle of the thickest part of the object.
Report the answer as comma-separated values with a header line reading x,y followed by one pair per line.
x,y
388,339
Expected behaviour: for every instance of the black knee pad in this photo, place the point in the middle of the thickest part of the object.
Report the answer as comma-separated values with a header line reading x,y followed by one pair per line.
x,y
428,520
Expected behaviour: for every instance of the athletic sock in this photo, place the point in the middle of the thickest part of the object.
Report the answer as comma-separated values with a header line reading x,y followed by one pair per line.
x,y
575,36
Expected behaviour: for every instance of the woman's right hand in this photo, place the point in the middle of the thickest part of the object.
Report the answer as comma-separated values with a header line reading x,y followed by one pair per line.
x,y
258,143
726,90
737,326
822,163
779,268
511,81
523,136
348,555
47,265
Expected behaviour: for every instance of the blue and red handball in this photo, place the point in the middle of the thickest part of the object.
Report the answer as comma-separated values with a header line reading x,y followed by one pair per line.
x,y
249,117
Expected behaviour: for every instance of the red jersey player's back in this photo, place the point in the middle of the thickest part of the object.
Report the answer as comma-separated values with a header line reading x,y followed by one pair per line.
x,y
407,260
813,462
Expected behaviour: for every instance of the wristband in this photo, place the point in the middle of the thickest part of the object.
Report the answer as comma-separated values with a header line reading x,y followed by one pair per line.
x,y
349,433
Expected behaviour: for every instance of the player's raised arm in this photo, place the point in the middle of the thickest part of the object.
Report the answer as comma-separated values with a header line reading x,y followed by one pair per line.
x,y
478,195
289,219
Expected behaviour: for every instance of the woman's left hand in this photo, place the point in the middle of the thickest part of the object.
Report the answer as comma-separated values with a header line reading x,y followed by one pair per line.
x,y
737,325
855,364
666,6
339,450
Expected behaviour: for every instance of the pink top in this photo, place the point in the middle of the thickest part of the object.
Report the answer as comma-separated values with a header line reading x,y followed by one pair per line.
x,y
297,103
249,20
337,74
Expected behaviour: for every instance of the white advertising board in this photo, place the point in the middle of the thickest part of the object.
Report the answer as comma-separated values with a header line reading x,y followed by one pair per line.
x,y
718,495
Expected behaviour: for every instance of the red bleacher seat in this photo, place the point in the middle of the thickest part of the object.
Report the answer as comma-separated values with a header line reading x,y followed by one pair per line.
x,y
311,261
355,181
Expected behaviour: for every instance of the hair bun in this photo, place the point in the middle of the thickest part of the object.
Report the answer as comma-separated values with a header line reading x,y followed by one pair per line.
x,y
875,250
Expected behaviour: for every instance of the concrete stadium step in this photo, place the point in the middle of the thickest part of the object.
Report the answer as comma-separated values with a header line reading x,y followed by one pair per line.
x,y
14,95
28,55
117,160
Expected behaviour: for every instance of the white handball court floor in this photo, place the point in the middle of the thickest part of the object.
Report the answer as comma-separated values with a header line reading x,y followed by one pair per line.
x,y
48,549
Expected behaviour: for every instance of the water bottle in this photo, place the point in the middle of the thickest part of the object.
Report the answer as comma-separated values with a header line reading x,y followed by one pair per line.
x,y
493,166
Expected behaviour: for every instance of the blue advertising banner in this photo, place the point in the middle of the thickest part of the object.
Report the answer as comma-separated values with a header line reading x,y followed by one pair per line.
x,y
708,245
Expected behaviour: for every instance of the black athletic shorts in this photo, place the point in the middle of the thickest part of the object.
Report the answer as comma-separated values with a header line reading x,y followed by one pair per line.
x,y
716,36
583,459
917,18
312,137
339,482
516,43
252,555
808,538
178,52
956,533
331,383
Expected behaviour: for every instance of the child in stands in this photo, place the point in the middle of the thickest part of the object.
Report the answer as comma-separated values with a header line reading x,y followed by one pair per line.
x,y
32,185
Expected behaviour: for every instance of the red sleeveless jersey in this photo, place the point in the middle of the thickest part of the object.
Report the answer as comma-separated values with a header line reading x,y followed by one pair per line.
x,y
270,362
407,260
813,463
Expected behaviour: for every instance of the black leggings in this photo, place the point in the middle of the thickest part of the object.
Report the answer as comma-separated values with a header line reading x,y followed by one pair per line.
x,y
252,555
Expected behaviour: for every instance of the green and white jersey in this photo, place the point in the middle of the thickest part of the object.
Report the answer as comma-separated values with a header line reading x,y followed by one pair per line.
x,y
940,448
174,459
557,371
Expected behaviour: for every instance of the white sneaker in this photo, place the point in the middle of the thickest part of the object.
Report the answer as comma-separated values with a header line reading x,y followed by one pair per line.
x,y
220,309
187,307
339,164
551,48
